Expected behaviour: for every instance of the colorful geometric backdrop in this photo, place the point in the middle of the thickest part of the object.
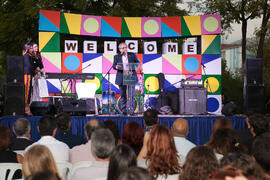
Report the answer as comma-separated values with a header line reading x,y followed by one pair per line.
x,y
174,66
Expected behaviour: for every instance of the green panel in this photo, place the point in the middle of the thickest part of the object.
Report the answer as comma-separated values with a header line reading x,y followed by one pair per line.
x,y
125,30
146,80
99,77
184,28
63,26
214,84
214,47
53,44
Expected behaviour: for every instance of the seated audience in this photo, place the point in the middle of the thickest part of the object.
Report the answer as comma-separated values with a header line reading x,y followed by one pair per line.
x,y
221,123
47,130
227,173
225,141
135,173
200,163
261,152
150,118
159,154
6,155
64,134
83,152
102,144
21,129
133,136
122,157
180,131
113,127
44,175
245,163
38,158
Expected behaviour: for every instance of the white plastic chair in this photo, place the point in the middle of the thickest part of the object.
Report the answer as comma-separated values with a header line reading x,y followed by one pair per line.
x,y
87,91
64,169
19,152
79,165
9,166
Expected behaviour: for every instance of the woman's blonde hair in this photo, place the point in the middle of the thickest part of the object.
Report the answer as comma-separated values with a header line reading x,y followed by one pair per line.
x,y
38,158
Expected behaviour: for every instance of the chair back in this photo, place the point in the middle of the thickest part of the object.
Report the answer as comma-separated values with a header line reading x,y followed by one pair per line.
x,y
12,167
64,169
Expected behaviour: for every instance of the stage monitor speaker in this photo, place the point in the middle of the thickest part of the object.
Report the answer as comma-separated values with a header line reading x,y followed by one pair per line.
x,y
40,108
76,107
253,67
254,98
15,69
192,100
173,101
14,99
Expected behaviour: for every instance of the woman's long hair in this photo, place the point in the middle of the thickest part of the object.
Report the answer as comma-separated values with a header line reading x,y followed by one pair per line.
x,y
121,159
38,158
200,163
162,158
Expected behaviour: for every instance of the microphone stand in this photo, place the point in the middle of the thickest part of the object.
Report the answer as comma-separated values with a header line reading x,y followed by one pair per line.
x,y
109,89
207,82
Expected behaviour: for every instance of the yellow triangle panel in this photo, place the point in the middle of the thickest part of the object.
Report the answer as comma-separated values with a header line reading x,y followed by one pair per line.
x,y
193,24
74,23
134,25
44,38
206,41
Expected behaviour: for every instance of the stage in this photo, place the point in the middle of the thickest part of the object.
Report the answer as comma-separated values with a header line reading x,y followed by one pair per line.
x,y
200,126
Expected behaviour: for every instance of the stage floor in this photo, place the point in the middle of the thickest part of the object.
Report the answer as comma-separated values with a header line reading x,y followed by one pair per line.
x,y
200,126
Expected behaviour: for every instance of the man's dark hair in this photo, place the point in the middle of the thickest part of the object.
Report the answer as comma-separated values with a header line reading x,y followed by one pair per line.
x,y
21,126
261,151
259,123
150,117
46,125
62,120
113,127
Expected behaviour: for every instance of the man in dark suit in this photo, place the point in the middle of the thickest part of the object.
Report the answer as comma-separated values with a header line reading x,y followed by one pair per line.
x,y
21,128
120,64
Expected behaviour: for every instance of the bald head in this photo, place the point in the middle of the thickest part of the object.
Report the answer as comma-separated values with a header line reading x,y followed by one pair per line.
x,y
180,127
90,127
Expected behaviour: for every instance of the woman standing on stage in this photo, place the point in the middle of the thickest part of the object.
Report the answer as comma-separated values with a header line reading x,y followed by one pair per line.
x,y
28,74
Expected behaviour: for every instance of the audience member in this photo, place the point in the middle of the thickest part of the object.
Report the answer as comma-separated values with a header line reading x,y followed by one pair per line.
x,y
200,163
150,118
258,124
113,127
245,135
227,173
122,158
261,152
21,129
133,136
225,141
6,155
135,173
43,175
64,135
221,123
102,144
245,163
47,130
83,152
180,131
38,158
160,155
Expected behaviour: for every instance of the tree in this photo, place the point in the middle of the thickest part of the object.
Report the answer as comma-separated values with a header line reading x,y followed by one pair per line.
x,y
231,11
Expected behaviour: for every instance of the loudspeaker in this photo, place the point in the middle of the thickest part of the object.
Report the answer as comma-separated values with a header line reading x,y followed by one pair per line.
x,y
192,100
40,108
76,107
14,99
229,108
254,98
253,67
15,69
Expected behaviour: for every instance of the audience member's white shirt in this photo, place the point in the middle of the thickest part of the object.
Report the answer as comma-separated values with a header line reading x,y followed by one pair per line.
x,y
183,146
59,150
